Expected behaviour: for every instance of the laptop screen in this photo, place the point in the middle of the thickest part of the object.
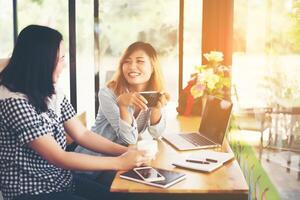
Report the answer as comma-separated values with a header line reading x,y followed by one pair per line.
x,y
215,119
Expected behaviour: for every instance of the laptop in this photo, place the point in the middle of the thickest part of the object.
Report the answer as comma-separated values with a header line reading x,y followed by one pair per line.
x,y
213,126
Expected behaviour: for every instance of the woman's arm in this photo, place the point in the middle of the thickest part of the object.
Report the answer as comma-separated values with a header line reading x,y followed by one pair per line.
x,y
156,113
120,119
125,115
159,126
49,149
32,131
157,117
91,140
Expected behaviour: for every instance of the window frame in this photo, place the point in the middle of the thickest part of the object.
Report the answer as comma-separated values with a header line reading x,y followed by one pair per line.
x,y
209,33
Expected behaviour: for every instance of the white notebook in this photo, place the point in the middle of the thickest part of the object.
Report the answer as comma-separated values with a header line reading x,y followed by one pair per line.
x,y
204,161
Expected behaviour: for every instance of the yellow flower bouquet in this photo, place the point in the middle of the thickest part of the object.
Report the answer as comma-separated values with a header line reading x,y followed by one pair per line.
x,y
212,78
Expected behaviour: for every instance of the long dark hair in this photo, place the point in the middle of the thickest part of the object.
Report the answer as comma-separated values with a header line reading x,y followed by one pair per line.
x,y
32,63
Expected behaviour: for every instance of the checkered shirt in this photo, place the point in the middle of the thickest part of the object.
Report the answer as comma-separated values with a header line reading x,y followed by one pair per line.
x,y
22,170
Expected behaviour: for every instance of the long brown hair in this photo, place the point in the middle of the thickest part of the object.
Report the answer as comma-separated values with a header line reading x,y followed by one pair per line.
x,y
118,82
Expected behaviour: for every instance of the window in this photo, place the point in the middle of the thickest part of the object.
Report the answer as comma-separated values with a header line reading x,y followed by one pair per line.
x,y
85,59
124,22
6,25
192,37
266,57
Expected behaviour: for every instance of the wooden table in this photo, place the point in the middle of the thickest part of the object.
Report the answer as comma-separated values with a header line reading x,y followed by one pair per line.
x,y
226,182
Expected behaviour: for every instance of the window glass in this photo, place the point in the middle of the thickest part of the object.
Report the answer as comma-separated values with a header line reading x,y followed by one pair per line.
x,y
265,69
124,22
6,26
192,37
85,59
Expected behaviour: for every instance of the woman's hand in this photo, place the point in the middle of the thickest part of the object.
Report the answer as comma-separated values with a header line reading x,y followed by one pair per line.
x,y
156,111
132,99
163,100
132,158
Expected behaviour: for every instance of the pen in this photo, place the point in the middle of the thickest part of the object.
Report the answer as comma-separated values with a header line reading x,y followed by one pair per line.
x,y
211,160
197,161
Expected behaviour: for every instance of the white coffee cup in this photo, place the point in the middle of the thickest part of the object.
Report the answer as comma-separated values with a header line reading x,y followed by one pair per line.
x,y
148,145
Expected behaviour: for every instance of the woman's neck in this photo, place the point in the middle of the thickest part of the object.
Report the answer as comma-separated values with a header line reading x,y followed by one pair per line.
x,y
137,88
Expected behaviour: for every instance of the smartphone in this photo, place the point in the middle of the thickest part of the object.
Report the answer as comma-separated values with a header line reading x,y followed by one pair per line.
x,y
149,174
151,96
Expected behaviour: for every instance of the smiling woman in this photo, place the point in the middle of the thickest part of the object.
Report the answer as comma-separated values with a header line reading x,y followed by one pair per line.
x,y
137,70
123,112
142,58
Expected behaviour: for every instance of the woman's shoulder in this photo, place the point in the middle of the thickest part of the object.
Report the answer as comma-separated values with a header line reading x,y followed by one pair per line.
x,y
107,92
13,102
56,100
5,93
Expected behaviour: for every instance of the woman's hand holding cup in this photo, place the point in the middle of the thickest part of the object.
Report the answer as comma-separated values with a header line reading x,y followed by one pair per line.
x,y
132,158
132,99
149,147
163,100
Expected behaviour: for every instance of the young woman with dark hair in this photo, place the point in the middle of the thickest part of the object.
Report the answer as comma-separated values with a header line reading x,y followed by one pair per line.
x,y
34,116
32,64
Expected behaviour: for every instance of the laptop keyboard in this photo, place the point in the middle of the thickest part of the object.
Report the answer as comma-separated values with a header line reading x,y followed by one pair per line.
x,y
196,139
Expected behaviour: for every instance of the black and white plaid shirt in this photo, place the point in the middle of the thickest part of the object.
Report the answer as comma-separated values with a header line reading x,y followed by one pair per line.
x,y
22,170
